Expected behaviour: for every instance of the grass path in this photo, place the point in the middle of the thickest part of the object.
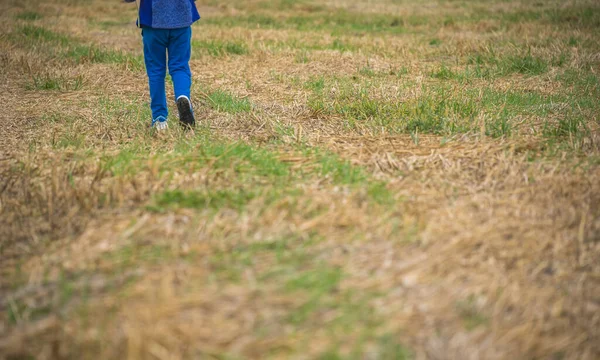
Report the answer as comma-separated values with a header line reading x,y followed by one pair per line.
x,y
397,180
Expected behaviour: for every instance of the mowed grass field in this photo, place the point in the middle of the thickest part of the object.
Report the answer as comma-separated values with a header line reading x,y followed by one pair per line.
x,y
384,179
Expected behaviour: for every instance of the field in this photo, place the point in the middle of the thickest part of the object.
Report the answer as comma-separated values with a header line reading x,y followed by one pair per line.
x,y
383,179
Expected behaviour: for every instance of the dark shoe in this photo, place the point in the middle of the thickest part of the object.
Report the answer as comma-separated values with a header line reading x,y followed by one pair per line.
x,y
186,115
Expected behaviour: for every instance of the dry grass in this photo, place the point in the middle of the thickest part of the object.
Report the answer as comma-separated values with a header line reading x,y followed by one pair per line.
x,y
373,180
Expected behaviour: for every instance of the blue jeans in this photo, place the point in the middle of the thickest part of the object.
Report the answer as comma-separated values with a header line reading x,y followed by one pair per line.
x,y
157,43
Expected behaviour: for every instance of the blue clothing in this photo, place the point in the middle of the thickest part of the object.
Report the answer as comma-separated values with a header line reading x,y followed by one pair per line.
x,y
167,14
157,43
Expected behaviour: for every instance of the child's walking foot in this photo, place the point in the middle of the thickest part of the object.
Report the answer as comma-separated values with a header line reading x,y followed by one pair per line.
x,y
186,115
160,124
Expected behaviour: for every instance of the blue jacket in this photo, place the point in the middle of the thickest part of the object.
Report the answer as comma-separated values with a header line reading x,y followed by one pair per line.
x,y
167,14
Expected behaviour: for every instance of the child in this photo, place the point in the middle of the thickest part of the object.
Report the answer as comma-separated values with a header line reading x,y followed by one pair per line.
x,y
166,29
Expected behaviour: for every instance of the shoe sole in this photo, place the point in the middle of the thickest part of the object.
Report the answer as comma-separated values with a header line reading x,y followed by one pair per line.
x,y
186,117
161,126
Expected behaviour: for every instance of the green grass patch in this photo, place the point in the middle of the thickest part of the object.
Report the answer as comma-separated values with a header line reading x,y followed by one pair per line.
x,y
302,57
342,172
29,16
67,48
287,254
367,71
133,255
314,17
219,47
90,53
575,16
224,101
441,109
257,173
339,170
435,42
69,140
35,34
251,164
218,199
437,111
107,24
318,283
306,45
315,83
336,22
289,265
444,73
291,5
25,310
525,64
341,46
126,162
389,347
54,82
567,127
585,83
497,65
471,316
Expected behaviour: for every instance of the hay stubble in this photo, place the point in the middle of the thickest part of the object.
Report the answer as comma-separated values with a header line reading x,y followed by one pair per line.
x,y
310,214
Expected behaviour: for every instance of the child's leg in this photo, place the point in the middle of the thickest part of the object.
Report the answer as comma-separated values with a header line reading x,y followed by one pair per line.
x,y
155,57
179,61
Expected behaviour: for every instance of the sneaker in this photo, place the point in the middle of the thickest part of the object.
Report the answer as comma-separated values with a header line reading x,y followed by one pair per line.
x,y
160,123
186,115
